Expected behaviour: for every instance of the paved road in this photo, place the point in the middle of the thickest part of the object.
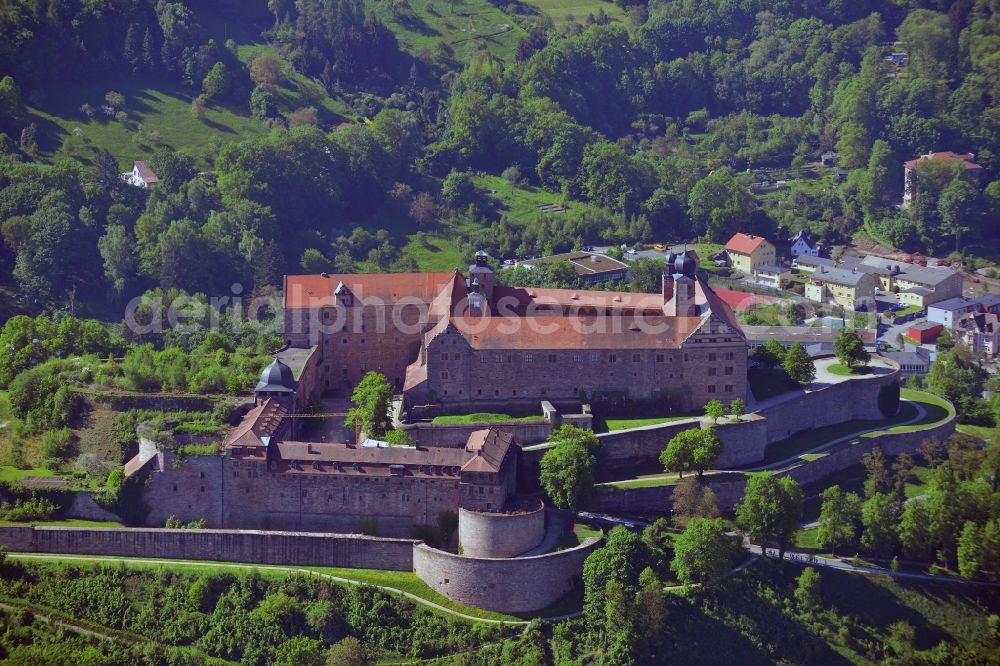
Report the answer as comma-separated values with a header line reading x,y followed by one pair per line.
x,y
816,561
273,567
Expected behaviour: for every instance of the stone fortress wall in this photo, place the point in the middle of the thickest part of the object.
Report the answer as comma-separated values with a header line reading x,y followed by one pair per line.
x,y
744,442
482,534
296,548
503,585
729,488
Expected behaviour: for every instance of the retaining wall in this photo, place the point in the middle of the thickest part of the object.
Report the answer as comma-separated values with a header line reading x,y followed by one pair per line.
x,y
745,442
484,534
729,489
518,585
299,548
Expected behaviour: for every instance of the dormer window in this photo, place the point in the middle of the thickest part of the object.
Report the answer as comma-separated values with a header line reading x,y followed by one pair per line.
x,y
344,295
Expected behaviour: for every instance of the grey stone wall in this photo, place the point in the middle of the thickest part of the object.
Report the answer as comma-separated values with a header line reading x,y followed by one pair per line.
x,y
84,507
333,550
729,488
500,534
516,585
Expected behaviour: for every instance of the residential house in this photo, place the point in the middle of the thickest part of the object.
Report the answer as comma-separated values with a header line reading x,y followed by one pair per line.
x,y
972,171
140,175
747,252
807,263
590,267
948,312
912,361
818,341
803,244
980,332
917,285
851,289
771,276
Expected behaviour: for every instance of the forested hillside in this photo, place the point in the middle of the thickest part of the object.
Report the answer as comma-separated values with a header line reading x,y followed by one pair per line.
x,y
337,135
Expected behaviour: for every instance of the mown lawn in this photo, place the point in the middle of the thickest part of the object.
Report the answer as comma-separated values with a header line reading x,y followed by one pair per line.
x,y
810,439
164,110
8,473
482,417
563,12
463,26
68,522
841,369
609,424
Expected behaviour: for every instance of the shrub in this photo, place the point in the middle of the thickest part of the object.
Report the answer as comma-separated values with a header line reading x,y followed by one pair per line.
x,y
58,444
34,508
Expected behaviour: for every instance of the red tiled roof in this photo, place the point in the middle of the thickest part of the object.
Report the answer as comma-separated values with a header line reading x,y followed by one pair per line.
x,y
491,447
145,172
575,332
261,421
745,244
742,301
967,158
315,290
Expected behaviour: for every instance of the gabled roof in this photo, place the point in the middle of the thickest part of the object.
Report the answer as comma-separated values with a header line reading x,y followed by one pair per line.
x,y
745,243
839,276
303,291
803,236
260,422
966,158
147,174
809,260
490,446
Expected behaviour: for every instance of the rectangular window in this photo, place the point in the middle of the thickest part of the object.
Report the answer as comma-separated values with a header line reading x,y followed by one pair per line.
x,y
612,358
444,375
552,358
711,355
444,356
595,358
635,358
729,388
659,358
529,358
711,388
499,358
729,356
483,358
711,372
456,356
578,358
729,370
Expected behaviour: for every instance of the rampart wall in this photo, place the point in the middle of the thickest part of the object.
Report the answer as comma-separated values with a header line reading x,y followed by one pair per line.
x,y
298,548
483,534
518,585
729,487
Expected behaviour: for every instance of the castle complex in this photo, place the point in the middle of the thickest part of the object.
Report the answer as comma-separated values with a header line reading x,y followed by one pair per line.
x,y
467,343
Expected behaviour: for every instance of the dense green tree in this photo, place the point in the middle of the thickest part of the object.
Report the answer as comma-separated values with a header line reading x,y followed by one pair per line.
x,y
879,518
621,559
694,449
715,410
372,402
798,365
808,590
771,354
737,408
458,189
770,510
719,206
850,349
567,475
704,552
218,82
839,517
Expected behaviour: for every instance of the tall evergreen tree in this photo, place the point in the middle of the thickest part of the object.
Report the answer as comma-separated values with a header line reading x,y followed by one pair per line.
x,y
149,53
132,53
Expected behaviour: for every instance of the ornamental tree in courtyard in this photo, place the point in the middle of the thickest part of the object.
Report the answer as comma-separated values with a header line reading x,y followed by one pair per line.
x,y
798,365
850,349
715,410
372,400
770,510
695,449
737,408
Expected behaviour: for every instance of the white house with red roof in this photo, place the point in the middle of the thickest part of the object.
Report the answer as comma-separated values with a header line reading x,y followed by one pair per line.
x,y
972,170
140,175
748,252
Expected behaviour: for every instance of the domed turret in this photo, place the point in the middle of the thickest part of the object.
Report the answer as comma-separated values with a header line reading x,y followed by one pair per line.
x,y
680,263
276,378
